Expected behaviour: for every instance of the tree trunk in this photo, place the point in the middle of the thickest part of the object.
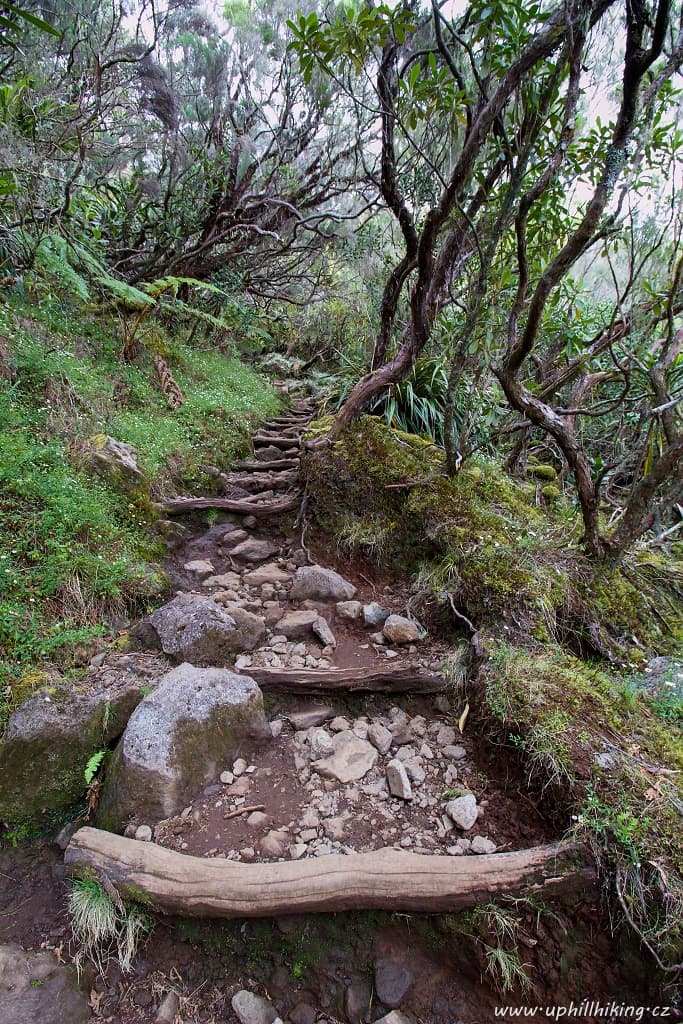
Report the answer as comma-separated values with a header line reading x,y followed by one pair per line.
x,y
385,879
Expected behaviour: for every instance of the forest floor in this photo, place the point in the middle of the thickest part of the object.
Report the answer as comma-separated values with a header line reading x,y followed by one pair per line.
x,y
446,969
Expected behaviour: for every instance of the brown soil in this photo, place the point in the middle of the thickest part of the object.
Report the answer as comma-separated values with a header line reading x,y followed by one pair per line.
x,y
568,952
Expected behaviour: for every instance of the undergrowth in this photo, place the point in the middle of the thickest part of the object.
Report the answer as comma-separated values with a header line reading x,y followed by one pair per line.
x,y
77,556
105,928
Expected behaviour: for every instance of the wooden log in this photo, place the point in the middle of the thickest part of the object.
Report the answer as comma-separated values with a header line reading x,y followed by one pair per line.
x,y
177,506
275,464
258,481
276,440
176,883
405,679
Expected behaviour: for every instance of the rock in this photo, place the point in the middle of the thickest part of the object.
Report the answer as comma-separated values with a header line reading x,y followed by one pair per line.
x,y
276,727
320,744
314,715
378,638
400,630
196,629
275,844
65,834
227,778
251,521
392,982
414,769
398,1018
340,724
143,834
270,573
233,535
445,737
175,740
59,731
257,819
374,614
297,851
315,583
251,628
116,461
254,550
297,625
605,760
323,632
227,580
334,827
455,753
352,759
357,1000
463,811
398,781
252,1009
482,845
303,1013
380,737
351,610
239,767
200,567
168,1009
35,988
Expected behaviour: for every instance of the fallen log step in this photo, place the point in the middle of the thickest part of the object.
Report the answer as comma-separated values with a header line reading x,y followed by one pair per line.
x,y
176,883
275,464
255,480
276,440
407,679
177,506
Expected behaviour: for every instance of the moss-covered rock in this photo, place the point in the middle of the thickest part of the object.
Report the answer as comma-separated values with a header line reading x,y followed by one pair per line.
x,y
49,740
543,472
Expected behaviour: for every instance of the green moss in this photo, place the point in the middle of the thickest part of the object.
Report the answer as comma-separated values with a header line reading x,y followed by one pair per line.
x,y
551,493
542,472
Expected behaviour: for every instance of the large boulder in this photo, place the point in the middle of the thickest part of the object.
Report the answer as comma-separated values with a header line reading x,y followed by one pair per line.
x,y
34,987
254,550
352,759
51,736
197,629
178,740
315,583
116,461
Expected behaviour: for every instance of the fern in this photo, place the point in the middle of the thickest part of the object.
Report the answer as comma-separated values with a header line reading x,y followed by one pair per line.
x,y
93,765
52,260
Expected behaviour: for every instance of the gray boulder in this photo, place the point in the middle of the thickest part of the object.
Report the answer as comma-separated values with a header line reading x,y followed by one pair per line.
x,y
51,736
352,759
34,987
176,742
296,625
374,614
116,461
315,583
195,628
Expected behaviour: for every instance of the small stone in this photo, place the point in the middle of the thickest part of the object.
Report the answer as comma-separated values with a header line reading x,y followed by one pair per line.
x,y
352,759
200,567
276,727
351,610
482,845
248,853
244,661
275,844
303,1013
320,744
297,851
395,1017
239,767
400,630
357,1001
378,639
340,724
442,703
250,522
334,827
253,1009
257,819
324,633
398,781
455,753
445,737
227,778
392,982
463,811
254,550
143,834
307,835
315,715
380,737
297,625
374,614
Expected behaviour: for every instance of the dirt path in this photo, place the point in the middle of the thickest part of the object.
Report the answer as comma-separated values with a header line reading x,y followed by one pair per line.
x,y
350,967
